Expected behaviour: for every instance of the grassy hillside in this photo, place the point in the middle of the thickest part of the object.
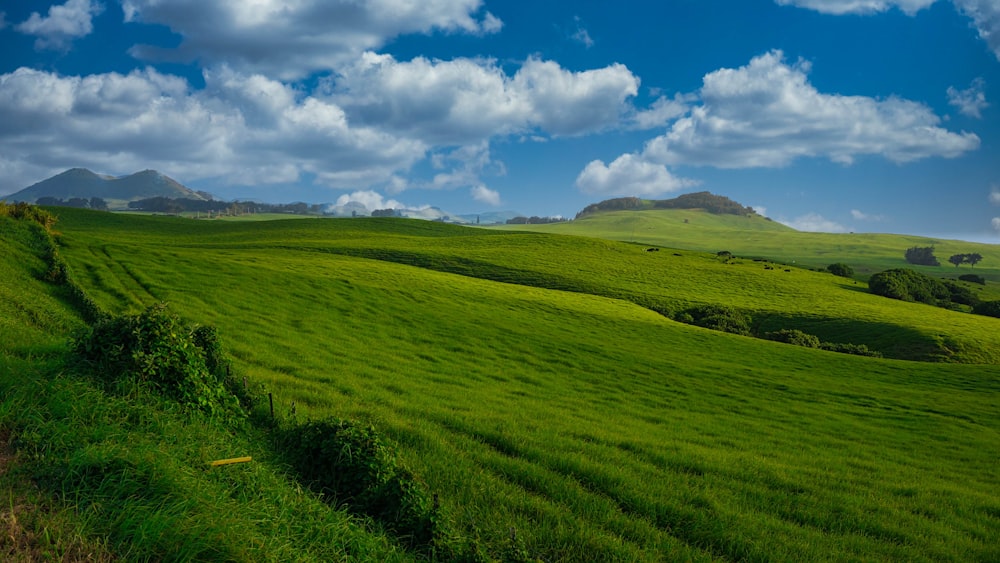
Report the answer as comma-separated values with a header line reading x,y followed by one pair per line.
x,y
757,236
528,382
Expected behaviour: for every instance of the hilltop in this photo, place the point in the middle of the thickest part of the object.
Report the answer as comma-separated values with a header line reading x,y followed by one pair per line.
x,y
712,203
116,191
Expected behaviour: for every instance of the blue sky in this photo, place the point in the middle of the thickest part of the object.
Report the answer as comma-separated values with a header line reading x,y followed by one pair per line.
x,y
831,115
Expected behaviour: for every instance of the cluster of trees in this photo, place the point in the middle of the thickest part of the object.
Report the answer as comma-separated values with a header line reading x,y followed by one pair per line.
x,y
161,204
907,285
80,202
384,213
971,259
720,205
534,220
841,269
922,256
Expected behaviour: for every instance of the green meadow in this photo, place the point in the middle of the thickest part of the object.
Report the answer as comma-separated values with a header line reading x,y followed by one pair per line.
x,y
533,382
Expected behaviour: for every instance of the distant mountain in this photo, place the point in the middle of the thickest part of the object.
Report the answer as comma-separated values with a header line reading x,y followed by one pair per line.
x,y
717,204
82,183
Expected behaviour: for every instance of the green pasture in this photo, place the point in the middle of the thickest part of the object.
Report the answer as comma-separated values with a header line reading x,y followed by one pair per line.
x,y
756,236
532,383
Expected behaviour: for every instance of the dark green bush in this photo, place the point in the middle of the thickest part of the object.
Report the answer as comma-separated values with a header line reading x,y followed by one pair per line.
x,y
841,269
794,336
988,308
718,317
157,349
960,294
973,278
855,349
350,464
908,285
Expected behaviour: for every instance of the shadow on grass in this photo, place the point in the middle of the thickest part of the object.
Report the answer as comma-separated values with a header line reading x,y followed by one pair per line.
x,y
892,340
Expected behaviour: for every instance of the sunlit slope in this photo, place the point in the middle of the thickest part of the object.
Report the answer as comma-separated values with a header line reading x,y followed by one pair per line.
x,y
835,309
596,428
757,236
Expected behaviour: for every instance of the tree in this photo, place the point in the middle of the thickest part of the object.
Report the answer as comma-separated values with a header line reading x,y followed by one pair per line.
x,y
98,203
841,269
974,258
922,255
958,259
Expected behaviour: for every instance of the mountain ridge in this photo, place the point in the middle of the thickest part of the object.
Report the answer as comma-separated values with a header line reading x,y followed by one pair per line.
x,y
117,190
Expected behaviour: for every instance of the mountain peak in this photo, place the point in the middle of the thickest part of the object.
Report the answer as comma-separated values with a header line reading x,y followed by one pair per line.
x,y
118,191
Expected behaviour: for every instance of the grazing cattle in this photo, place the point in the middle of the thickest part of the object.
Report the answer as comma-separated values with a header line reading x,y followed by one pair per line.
x,y
652,250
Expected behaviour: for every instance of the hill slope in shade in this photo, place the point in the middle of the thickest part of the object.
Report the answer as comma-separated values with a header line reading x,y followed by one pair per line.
x,y
82,183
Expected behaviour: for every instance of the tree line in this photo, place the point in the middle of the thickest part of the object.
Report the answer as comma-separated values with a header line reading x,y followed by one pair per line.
x,y
924,256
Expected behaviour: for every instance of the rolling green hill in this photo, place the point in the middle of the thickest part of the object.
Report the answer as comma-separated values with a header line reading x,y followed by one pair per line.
x,y
534,383
760,237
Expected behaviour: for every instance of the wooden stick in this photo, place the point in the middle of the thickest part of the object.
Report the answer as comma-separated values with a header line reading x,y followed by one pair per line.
x,y
219,462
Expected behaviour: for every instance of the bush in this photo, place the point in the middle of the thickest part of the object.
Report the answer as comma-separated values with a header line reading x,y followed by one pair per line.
x,y
855,349
960,294
155,348
907,285
350,464
793,336
973,278
718,317
841,269
988,308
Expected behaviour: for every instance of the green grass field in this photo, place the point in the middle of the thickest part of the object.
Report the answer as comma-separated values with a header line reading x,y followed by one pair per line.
x,y
529,381
755,236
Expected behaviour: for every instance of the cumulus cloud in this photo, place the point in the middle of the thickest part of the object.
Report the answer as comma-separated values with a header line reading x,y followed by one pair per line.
x,y
840,7
814,222
767,114
485,195
372,200
465,100
862,216
995,195
996,223
985,16
247,129
291,40
662,111
629,175
971,101
62,25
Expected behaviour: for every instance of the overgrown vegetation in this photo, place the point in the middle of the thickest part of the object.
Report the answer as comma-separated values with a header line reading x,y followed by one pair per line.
x,y
907,285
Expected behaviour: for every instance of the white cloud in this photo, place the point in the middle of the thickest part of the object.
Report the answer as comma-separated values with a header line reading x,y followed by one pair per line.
x,y
840,7
985,16
292,39
996,223
662,111
485,195
243,129
372,200
629,175
767,114
995,195
814,222
463,101
861,216
64,23
971,101
581,34
760,209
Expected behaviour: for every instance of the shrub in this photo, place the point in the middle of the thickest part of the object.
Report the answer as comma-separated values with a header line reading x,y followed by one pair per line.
x,y
988,308
973,278
958,293
155,348
856,349
350,464
841,269
907,285
718,317
793,336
